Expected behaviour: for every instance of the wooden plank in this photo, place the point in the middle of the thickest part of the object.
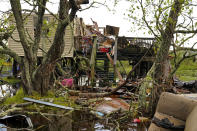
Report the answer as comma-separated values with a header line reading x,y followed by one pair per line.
x,y
92,61
115,57
112,30
115,50
116,70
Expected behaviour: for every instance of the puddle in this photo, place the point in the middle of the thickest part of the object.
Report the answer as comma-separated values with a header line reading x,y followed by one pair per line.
x,y
80,121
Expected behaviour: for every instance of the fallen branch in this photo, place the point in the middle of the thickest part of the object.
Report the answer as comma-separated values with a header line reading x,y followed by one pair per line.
x,y
45,114
24,104
7,112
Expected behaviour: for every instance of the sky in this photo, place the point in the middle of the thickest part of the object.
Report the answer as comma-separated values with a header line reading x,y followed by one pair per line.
x,y
101,14
105,17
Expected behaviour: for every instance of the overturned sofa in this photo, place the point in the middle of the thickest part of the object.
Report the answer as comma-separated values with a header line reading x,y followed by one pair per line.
x,y
175,112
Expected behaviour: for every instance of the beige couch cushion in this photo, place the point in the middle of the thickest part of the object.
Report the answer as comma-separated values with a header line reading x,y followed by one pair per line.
x,y
191,121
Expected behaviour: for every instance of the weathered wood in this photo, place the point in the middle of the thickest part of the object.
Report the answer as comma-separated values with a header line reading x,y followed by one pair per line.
x,y
92,61
115,58
112,30
116,70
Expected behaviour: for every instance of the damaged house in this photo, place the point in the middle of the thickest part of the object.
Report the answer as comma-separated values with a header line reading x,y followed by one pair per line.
x,y
101,45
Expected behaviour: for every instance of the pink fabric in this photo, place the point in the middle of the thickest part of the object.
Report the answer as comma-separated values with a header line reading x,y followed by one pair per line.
x,y
67,82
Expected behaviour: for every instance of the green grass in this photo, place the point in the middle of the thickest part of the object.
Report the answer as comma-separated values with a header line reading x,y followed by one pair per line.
x,y
18,98
11,80
187,70
124,68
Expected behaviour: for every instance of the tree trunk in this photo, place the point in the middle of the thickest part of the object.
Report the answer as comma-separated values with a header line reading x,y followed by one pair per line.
x,y
156,79
36,77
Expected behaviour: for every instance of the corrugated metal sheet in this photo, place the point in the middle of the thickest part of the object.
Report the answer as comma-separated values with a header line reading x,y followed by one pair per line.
x,y
45,42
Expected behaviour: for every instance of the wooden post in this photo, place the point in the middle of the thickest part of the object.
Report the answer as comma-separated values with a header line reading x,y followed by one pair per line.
x,y
116,70
115,58
92,61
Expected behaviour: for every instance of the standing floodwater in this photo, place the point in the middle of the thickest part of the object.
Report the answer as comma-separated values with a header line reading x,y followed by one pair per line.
x,y
80,121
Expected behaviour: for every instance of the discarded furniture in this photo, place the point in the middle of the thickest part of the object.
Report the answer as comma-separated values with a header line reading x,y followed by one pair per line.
x,y
174,112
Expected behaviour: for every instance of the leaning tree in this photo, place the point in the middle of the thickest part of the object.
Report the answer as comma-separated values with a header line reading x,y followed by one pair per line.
x,y
163,19
37,77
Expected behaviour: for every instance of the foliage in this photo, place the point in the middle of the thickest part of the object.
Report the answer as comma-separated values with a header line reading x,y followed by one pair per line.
x,y
163,19
123,66
188,68
34,77
18,98
11,80
152,15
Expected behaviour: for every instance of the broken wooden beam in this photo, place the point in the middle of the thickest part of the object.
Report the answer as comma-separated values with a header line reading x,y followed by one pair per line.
x,y
112,30
116,70
92,61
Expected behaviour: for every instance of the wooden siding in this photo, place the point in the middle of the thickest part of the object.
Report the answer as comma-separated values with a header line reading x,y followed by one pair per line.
x,y
45,42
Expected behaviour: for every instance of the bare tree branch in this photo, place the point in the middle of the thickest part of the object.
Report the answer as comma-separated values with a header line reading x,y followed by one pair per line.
x,y
16,8
185,31
144,19
92,5
12,54
38,30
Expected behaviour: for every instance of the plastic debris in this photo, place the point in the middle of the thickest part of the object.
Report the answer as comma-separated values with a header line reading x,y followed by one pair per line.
x,y
97,114
47,103
107,98
67,82
3,127
136,120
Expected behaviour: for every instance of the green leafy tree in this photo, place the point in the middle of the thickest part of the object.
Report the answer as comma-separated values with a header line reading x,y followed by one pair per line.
x,y
166,20
37,77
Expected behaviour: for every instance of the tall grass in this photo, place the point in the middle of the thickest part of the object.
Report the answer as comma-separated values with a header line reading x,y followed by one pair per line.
x,y
188,68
